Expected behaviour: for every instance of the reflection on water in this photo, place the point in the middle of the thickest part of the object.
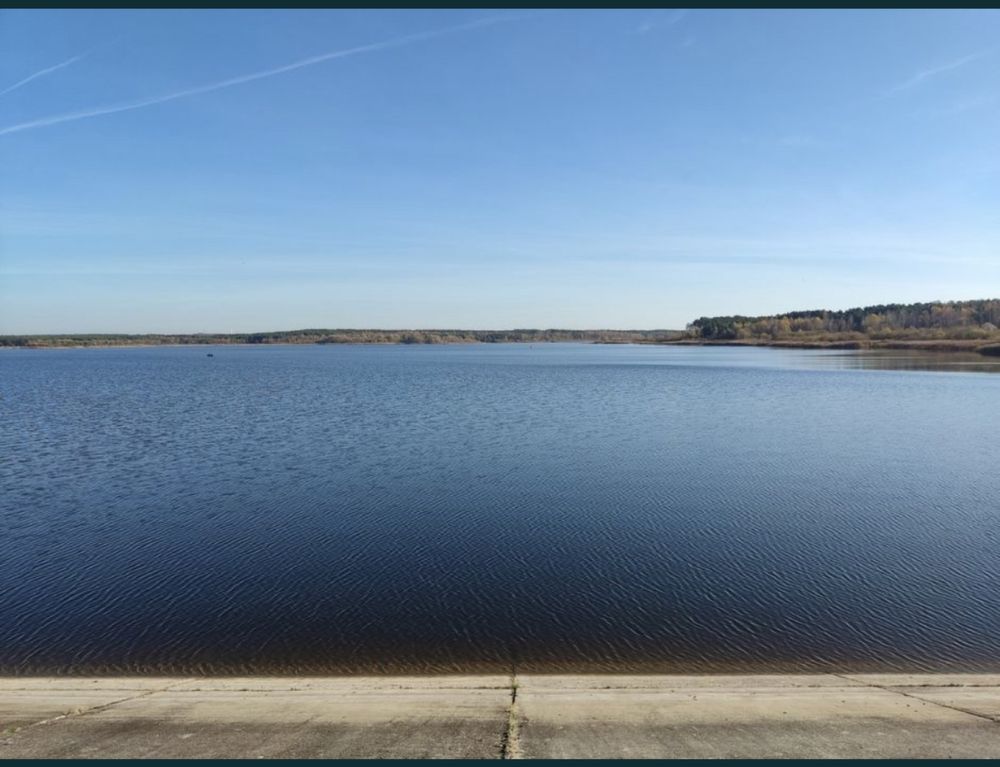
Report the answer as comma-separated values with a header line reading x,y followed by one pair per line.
x,y
902,359
343,509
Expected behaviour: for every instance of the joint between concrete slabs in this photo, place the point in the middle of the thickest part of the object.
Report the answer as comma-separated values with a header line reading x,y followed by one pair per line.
x,y
898,690
510,745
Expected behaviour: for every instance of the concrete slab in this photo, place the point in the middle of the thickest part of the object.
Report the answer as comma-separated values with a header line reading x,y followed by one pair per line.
x,y
983,701
25,701
679,682
29,707
610,716
11,683
147,738
927,680
351,705
349,684
333,718
709,720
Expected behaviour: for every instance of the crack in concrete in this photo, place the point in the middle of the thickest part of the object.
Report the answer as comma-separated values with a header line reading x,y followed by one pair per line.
x,y
510,745
109,704
897,691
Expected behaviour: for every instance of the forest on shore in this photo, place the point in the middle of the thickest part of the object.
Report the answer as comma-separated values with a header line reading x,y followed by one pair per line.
x,y
348,336
939,325
936,326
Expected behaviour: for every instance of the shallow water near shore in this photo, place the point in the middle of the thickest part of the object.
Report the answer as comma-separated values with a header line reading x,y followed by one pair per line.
x,y
552,507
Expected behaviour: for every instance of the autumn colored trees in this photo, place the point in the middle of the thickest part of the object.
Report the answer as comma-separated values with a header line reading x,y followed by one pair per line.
x,y
951,319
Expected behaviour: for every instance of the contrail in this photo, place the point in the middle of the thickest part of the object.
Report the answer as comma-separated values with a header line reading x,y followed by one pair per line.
x,y
41,73
919,77
139,104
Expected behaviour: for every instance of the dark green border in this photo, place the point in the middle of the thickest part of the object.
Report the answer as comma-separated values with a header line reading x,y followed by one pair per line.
x,y
478,4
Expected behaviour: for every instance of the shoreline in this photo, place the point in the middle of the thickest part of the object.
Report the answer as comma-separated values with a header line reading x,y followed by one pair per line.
x,y
988,348
223,344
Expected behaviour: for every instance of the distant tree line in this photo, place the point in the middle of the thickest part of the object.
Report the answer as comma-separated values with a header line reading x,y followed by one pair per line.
x,y
937,320
345,336
951,324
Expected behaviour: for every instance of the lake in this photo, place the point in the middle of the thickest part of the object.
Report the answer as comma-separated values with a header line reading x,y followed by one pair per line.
x,y
554,507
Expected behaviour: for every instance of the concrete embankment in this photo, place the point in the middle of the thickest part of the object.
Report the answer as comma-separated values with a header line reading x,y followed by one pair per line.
x,y
828,715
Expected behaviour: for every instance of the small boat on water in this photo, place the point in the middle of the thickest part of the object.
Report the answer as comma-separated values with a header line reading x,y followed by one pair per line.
x,y
210,354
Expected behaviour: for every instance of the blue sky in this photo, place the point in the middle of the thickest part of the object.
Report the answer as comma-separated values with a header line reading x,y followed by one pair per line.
x,y
254,170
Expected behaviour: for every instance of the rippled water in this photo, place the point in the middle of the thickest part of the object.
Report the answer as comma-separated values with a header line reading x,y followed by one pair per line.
x,y
557,507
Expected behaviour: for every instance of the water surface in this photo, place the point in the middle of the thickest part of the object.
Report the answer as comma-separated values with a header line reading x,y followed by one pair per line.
x,y
559,507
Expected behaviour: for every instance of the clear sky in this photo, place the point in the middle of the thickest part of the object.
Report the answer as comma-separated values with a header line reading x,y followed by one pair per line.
x,y
257,170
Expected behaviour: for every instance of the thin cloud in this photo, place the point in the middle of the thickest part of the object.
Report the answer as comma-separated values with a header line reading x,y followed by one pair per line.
x,y
926,74
41,73
669,20
240,79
